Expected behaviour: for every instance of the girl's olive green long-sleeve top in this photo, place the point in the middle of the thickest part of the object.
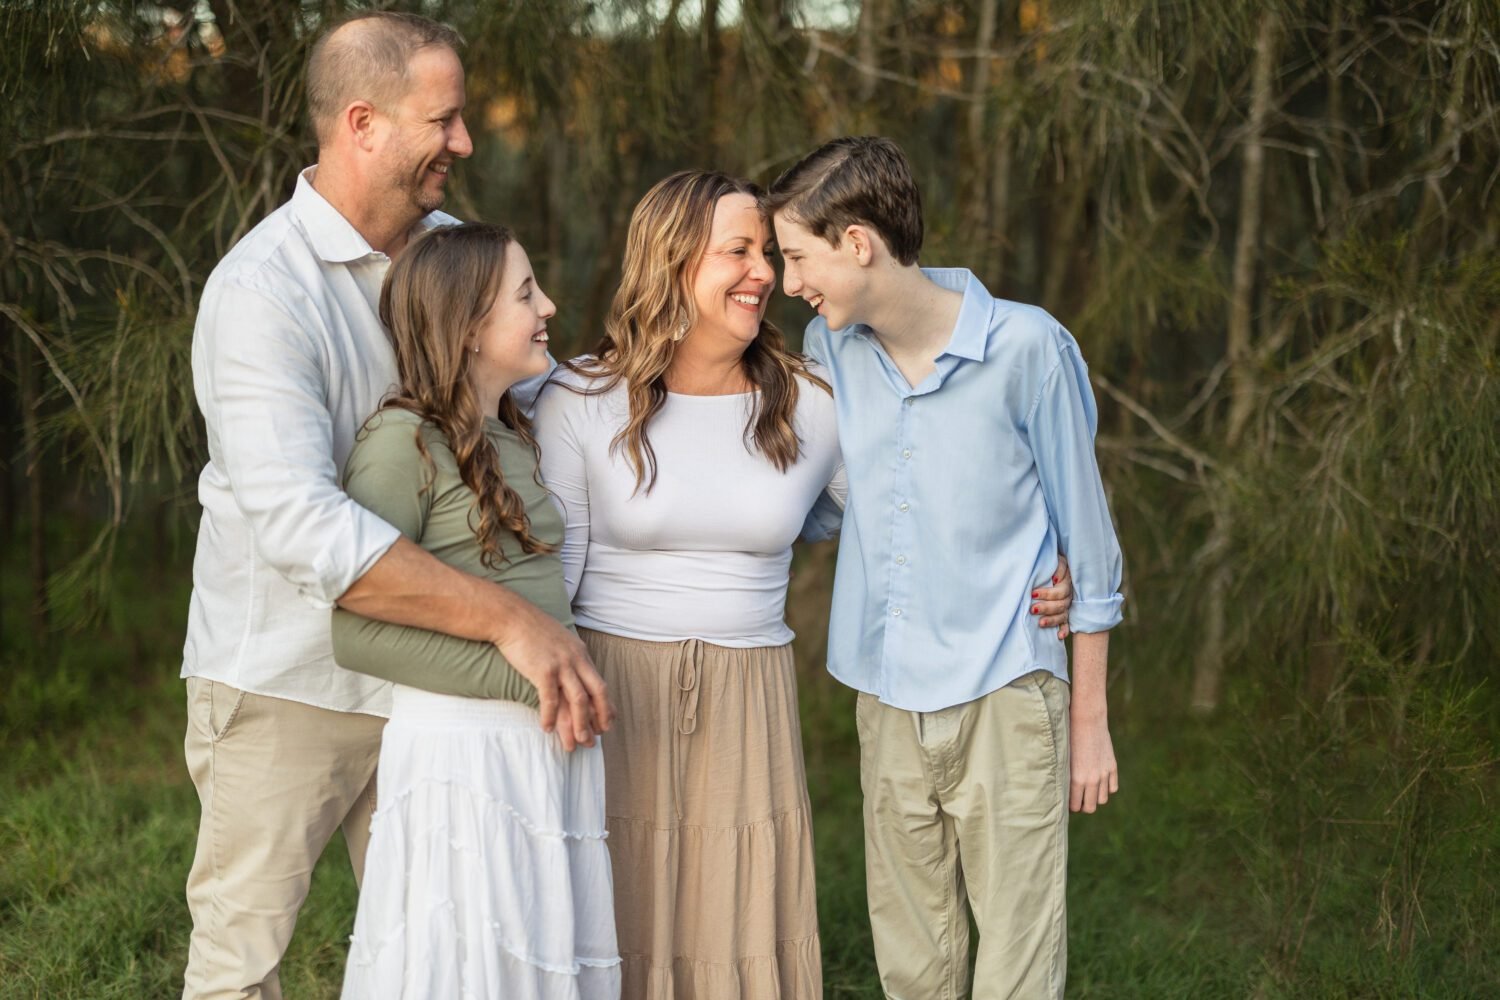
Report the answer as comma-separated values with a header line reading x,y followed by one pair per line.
x,y
429,503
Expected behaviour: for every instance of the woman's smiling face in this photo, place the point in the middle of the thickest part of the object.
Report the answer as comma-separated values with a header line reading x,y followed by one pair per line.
x,y
734,279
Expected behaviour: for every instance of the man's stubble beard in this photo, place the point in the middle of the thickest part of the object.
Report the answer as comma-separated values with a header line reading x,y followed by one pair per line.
x,y
405,184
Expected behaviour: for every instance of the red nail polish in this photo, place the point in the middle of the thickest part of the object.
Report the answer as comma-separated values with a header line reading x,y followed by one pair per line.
x,y
1034,594
1033,609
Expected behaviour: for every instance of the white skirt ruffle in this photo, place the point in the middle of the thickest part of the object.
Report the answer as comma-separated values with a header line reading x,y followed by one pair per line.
x,y
487,874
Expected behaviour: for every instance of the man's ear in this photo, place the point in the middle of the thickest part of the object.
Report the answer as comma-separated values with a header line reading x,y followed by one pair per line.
x,y
861,243
359,120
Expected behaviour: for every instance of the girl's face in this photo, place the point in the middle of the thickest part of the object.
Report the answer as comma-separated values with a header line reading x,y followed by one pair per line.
x,y
510,340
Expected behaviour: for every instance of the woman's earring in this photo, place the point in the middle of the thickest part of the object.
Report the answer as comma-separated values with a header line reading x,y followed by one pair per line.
x,y
681,331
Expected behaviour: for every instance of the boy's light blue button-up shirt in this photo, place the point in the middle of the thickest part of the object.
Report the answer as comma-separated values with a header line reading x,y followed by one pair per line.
x,y
962,491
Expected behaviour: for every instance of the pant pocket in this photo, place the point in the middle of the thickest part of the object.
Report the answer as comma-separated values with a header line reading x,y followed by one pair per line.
x,y
1052,703
224,707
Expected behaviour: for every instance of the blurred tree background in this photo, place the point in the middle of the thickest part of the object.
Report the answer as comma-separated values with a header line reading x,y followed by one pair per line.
x,y
1272,226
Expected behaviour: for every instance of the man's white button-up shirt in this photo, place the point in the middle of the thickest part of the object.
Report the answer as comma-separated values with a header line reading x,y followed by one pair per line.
x,y
289,359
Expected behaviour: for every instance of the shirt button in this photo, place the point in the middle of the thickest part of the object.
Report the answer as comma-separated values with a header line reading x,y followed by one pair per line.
x,y
904,508
906,453
896,613
907,401
900,560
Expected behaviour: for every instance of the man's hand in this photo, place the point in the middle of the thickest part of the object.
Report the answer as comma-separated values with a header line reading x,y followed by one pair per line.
x,y
1052,603
574,698
409,586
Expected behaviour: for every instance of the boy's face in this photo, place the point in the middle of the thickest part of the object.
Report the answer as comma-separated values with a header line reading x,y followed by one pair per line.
x,y
826,276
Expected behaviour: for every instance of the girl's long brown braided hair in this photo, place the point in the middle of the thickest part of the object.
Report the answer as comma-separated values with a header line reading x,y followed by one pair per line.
x,y
434,296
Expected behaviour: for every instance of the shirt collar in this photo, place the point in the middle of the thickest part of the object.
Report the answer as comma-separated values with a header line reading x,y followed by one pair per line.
x,y
971,332
333,237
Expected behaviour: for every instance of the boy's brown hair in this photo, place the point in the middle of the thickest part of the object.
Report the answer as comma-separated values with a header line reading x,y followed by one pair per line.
x,y
856,180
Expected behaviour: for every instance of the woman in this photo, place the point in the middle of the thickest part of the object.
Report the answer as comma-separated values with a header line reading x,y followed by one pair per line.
x,y
686,453
487,875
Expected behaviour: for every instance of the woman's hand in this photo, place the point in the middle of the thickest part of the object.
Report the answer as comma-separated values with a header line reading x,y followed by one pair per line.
x,y
1051,604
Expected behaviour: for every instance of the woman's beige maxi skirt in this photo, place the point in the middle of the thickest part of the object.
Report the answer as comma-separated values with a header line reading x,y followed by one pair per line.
x,y
710,830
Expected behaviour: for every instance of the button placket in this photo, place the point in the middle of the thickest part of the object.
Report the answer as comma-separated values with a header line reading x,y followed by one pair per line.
x,y
897,611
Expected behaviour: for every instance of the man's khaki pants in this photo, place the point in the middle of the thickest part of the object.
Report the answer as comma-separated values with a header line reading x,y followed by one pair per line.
x,y
967,807
274,778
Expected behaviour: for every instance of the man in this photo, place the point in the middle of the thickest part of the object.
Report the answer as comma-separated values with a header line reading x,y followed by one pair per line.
x,y
289,358
967,426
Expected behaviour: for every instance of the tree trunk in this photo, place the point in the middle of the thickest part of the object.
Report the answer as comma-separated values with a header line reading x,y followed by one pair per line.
x,y
977,176
869,19
36,511
1000,207
559,194
1247,239
1208,663
713,57
1063,229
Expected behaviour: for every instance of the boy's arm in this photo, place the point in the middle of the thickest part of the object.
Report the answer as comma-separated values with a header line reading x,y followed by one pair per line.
x,y
1094,775
1061,430
826,518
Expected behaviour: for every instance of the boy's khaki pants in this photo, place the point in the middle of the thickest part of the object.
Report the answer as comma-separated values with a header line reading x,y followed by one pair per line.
x,y
274,778
967,807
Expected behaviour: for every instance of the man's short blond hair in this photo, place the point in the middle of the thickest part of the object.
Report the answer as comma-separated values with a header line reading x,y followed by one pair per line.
x,y
366,57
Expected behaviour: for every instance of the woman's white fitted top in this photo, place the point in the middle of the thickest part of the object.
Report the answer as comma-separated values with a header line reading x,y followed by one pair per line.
x,y
706,553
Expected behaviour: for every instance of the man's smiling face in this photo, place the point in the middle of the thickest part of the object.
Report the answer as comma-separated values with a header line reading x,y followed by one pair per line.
x,y
425,130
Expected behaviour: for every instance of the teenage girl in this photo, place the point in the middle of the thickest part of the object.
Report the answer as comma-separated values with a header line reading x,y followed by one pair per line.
x,y
487,874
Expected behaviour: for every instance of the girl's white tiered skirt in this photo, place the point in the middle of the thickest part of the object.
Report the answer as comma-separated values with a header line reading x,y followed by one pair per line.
x,y
487,874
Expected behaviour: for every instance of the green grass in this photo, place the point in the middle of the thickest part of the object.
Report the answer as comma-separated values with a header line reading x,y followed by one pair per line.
x,y
1198,880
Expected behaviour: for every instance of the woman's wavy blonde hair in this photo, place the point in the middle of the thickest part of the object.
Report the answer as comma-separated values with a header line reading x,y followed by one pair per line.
x,y
669,231
433,299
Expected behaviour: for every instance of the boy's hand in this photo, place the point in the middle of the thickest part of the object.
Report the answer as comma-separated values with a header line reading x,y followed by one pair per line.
x,y
1095,776
1052,603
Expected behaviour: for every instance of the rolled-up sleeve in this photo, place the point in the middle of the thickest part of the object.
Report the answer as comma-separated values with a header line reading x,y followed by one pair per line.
x,y
271,434
1061,428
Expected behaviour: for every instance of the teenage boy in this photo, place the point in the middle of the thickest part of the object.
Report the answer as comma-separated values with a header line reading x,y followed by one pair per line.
x,y
967,426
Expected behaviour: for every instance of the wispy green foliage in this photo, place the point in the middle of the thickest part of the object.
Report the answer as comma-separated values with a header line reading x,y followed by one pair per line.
x,y
1272,226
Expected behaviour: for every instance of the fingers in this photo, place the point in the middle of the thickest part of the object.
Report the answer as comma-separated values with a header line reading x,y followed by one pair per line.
x,y
1063,631
565,732
603,709
579,710
1087,795
1084,797
1051,612
547,705
1063,572
1062,592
